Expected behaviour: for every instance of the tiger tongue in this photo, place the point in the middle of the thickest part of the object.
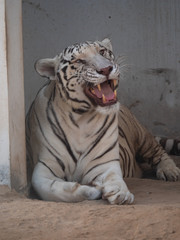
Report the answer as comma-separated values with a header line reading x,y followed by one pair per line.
x,y
106,90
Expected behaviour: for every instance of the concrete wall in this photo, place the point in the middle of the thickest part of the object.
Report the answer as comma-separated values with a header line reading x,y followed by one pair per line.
x,y
147,32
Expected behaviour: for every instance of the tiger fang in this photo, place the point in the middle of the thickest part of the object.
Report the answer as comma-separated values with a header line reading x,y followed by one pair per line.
x,y
114,82
99,87
103,98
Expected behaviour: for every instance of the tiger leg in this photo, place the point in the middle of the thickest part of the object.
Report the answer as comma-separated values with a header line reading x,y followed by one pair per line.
x,y
114,189
51,188
166,169
143,145
154,153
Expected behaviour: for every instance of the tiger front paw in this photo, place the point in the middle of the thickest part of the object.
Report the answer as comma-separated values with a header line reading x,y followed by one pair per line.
x,y
167,170
116,194
91,193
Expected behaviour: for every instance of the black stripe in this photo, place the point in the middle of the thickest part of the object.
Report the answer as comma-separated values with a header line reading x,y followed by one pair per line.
x,y
64,61
120,154
72,49
163,142
42,132
69,83
54,93
115,129
70,90
91,118
72,120
103,125
91,183
122,151
175,150
114,160
79,110
48,168
142,145
64,52
62,85
74,76
122,134
33,103
59,78
64,72
88,43
150,150
108,150
59,129
80,101
98,139
128,161
58,87
57,159
56,130
53,126
52,183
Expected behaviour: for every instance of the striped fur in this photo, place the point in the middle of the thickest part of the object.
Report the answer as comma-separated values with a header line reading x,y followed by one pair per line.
x,y
79,143
172,146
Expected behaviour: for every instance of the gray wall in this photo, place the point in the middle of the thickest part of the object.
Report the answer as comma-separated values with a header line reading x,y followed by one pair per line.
x,y
147,32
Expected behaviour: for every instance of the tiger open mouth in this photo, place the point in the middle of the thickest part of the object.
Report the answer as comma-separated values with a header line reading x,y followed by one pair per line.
x,y
103,94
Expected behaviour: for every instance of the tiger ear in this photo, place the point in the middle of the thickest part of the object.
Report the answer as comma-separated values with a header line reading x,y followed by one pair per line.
x,y
107,43
46,67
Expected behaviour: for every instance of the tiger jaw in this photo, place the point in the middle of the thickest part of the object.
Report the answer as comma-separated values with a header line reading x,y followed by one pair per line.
x,y
103,94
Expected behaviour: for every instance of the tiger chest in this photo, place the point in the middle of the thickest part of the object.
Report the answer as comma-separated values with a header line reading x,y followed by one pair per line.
x,y
90,142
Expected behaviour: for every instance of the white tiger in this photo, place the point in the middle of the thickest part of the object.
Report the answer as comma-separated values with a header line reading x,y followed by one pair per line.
x,y
79,144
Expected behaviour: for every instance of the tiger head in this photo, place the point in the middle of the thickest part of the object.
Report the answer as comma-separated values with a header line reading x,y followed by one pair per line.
x,y
86,75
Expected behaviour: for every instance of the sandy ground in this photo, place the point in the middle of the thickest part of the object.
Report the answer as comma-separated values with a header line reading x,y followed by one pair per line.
x,y
155,215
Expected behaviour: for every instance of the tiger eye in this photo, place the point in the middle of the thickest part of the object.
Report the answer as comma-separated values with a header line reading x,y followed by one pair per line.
x,y
101,52
73,68
80,61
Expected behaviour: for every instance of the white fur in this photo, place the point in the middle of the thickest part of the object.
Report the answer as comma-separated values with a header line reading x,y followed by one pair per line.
x,y
108,109
114,188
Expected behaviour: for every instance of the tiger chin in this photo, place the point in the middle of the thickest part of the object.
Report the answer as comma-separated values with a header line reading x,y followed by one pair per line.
x,y
80,142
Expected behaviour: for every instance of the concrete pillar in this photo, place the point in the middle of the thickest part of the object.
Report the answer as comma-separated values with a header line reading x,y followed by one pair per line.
x,y
12,117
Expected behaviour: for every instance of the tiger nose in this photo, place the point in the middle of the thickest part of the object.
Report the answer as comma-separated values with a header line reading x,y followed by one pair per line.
x,y
105,71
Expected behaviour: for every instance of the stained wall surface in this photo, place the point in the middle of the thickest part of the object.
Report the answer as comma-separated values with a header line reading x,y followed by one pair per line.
x,y
4,114
146,32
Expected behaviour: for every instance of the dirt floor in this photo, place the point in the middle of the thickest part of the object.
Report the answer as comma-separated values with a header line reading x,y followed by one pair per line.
x,y
155,215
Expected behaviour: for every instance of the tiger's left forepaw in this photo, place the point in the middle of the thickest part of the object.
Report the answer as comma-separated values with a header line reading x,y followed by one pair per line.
x,y
167,171
117,194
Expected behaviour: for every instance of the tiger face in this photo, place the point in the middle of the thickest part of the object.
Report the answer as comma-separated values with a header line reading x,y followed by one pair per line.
x,y
86,75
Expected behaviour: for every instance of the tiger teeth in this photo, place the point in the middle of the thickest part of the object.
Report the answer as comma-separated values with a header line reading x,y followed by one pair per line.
x,y
103,98
114,82
92,90
99,87
115,93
